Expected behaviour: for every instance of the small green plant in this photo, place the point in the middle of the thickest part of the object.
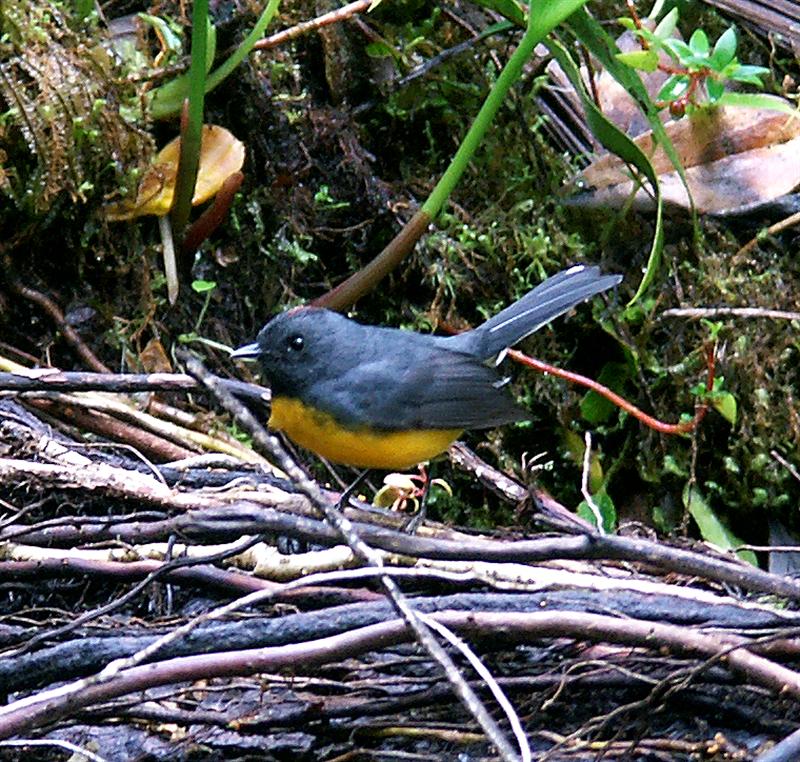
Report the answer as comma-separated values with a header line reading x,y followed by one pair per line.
x,y
167,100
324,198
720,399
84,8
202,287
698,72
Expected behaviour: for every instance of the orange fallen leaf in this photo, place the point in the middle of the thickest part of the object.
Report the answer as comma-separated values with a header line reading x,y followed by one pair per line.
x,y
221,155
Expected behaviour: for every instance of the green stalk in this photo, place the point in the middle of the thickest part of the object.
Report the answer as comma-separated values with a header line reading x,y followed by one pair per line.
x,y
543,17
257,32
167,100
192,131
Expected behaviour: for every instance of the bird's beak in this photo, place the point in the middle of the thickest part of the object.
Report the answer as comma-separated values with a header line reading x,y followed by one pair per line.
x,y
247,352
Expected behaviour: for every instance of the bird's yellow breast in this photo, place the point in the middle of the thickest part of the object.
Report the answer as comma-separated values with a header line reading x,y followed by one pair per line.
x,y
362,447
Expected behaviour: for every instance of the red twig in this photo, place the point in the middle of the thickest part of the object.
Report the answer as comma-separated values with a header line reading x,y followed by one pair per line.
x,y
648,420
212,217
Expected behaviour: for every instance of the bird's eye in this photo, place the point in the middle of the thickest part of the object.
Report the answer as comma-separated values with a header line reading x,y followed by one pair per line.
x,y
295,343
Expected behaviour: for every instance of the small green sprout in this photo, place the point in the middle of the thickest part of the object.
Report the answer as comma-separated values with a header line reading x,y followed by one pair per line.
x,y
324,198
698,72
202,287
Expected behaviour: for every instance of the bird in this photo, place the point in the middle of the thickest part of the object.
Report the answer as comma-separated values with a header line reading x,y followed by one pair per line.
x,y
385,398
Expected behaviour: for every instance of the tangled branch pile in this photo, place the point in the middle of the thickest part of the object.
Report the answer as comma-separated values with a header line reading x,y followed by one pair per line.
x,y
113,638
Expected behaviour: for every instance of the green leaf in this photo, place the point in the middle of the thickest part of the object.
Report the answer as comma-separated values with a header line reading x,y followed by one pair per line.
x,y
678,49
629,24
711,527
508,8
645,60
608,512
673,88
600,44
167,100
724,50
83,8
655,11
748,70
201,286
597,409
379,50
759,100
750,74
715,89
171,39
725,404
667,25
698,43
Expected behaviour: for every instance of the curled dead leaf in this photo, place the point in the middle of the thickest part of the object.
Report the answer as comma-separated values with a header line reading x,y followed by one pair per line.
x,y
221,155
734,157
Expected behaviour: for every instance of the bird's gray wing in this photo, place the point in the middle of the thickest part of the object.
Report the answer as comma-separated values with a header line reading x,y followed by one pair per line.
x,y
440,390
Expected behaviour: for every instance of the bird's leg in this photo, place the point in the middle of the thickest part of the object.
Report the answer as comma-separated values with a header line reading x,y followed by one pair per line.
x,y
426,480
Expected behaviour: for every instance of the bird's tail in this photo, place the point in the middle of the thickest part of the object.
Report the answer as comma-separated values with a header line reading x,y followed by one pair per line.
x,y
538,307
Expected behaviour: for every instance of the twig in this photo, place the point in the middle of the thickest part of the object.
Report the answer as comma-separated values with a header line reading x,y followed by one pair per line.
x,y
204,577
786,464
619,401
488,678
790,221
23,743
108,426
188,438
69,333
52,379
788,750
715,312
512,491
286,35
587,495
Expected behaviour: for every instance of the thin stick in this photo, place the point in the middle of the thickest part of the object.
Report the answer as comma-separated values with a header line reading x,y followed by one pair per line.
x,y
22,743
286,35
67,331
587,495
786,464
788,222
745,312
168,253
52,379
499,696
